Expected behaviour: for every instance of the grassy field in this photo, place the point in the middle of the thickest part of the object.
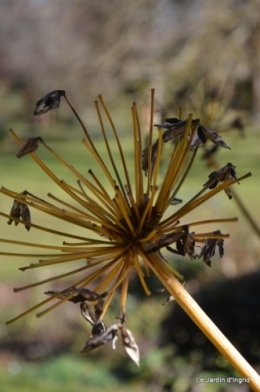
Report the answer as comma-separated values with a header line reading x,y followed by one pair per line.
x,y
70,371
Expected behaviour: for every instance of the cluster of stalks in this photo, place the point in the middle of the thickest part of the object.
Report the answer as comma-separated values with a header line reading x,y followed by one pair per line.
x,y
124,224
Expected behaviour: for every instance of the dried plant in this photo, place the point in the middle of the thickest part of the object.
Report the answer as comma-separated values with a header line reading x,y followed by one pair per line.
x,y
127,225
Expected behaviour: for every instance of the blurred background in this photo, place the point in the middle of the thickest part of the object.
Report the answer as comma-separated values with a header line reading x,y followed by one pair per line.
x,y
203,56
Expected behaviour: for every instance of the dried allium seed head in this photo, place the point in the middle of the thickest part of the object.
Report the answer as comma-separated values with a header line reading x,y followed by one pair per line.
x,y
125,221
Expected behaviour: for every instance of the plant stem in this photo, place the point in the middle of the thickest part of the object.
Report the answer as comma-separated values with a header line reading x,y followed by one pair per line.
x,y
205,324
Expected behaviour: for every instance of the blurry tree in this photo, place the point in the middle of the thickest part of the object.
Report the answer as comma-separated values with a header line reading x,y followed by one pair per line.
x,y
123,46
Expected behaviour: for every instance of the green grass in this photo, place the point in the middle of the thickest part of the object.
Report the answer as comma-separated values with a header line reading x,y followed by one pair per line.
x,y
66,371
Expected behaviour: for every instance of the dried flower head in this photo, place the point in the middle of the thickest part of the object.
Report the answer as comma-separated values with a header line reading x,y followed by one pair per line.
x,y
124,222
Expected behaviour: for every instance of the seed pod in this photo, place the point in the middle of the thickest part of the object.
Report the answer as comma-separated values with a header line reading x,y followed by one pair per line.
x,y
81,294
208,250
109,335
30,146
20,210
88,313
175,201
98,328
226,173
15,212
176,129
130,345
165,240
214,137
48,102
25,214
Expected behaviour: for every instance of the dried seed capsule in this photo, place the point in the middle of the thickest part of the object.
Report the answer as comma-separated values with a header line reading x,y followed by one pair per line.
x,y
48,102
